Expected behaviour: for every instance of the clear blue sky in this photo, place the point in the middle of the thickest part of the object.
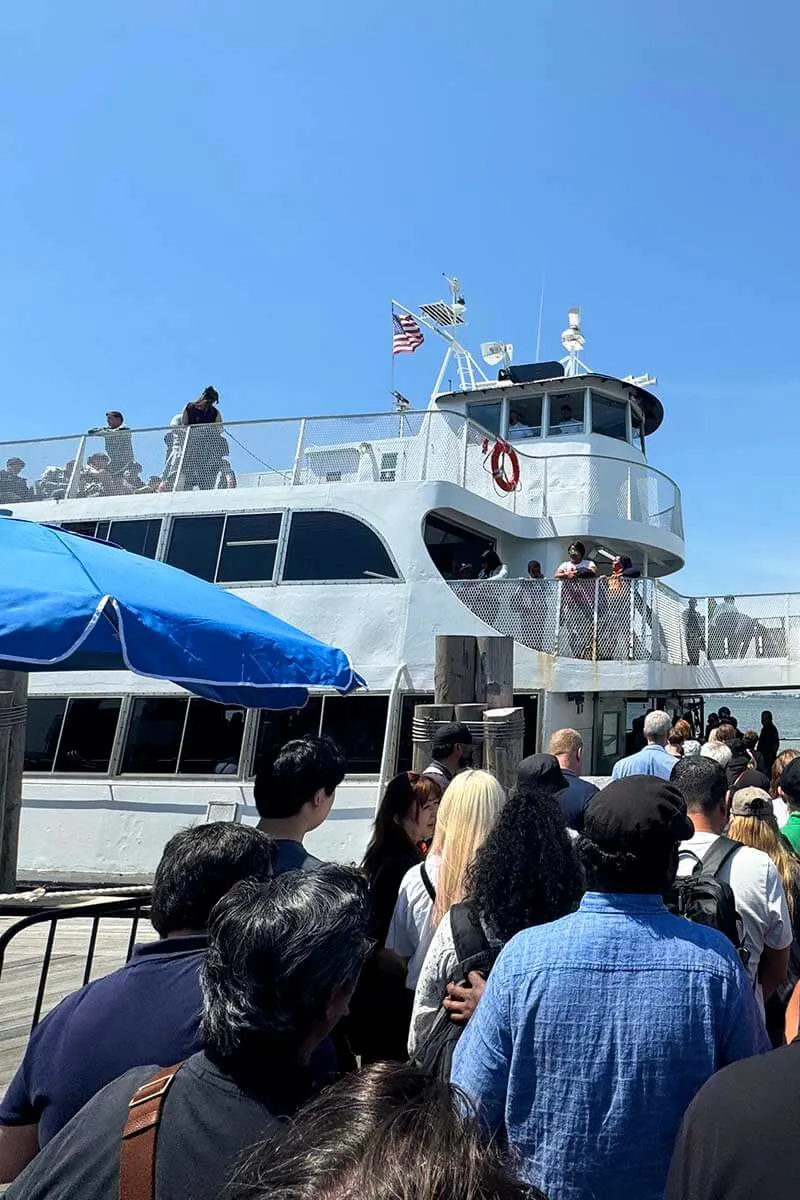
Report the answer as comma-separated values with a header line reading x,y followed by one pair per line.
x,y
231,193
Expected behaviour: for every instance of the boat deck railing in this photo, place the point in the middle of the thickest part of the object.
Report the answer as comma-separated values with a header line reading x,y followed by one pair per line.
x,y
374,448
635,620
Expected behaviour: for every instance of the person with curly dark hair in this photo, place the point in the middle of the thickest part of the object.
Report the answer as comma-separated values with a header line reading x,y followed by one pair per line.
x,y
388,1130
595,1032
525,873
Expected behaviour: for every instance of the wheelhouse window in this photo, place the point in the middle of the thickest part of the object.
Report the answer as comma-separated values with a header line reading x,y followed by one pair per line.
x,y
488,415
330,546
71,735
140,536
239,548
172,736
609,417
566,414
455,550
358,725
637,426
525,418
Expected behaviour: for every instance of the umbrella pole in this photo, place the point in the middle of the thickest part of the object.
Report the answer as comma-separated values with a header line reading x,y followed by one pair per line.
x,y
13,702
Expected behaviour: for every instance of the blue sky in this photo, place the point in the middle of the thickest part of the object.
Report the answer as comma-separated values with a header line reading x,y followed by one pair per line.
x,y
198,192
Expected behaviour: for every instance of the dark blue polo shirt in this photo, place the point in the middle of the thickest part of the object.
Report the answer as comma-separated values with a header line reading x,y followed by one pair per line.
x,y
146,1012
574,799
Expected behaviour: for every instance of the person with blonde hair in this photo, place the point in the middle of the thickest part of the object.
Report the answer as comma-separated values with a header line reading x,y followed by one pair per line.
x,y
753,823
467,813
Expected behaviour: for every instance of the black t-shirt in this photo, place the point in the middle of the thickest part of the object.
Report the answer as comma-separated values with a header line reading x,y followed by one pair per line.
x,y
208,1120
738,1140
384,888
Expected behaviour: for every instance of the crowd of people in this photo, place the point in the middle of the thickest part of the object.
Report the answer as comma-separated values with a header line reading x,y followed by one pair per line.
x,y
559,992
199,460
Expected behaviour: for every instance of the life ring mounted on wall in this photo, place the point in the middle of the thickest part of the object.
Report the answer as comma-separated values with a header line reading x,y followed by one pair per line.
x,y
506,477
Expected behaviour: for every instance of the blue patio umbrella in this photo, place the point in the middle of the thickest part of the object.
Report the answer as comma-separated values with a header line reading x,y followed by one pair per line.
x,y
72,603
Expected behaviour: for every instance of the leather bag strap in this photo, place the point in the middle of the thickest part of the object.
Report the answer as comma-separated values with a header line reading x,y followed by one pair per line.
x,y
137,1163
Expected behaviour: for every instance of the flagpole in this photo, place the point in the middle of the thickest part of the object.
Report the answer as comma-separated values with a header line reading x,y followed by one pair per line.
x,y
391,350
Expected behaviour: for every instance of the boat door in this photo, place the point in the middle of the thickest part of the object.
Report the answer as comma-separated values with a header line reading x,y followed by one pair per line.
x,y
609,733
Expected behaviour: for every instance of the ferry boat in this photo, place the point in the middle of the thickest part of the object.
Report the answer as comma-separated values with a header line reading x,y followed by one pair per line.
x,y
367,530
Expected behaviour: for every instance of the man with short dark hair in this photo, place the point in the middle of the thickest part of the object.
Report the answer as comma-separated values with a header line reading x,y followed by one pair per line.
x,y
282,962
751,874
452,752
13,488
118,441
769,741
567,746
295,795
148,1011
595,1031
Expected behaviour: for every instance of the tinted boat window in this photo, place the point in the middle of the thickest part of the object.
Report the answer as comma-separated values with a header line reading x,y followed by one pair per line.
x,y
43,727
275,729
154,736
609,417
358,725
88,735
194,545
140,537
330,545
213,739
249,547
566,414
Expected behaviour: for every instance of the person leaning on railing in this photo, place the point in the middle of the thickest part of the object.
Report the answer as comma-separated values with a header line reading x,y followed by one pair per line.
x,y
205,453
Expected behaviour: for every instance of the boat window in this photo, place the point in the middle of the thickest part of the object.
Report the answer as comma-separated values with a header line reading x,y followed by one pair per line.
x,y
486,415
525,418
140,537
87,737
249,547
275,729
456,551
45,716
154,736
566,414
358,725
331,545
194,545
212,740
609,417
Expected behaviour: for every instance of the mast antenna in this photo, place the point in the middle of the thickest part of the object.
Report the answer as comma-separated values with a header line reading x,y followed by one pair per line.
x,y
573,342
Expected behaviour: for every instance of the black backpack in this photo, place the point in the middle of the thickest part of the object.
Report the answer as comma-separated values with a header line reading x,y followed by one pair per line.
x,y
475,953
703,898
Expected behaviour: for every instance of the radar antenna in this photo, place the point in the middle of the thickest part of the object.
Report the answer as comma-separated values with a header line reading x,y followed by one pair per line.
x,y
573,342
442,317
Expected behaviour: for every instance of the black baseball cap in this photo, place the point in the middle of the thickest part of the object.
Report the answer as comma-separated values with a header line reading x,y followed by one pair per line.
x,y
543,770
637,813
456,733
790,780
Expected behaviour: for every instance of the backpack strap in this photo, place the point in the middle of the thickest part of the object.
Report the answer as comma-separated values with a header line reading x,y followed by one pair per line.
x,y
137,1161
721,851
468,936
427,883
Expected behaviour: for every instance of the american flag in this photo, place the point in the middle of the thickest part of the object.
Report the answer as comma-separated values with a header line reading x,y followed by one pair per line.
x,y
406,334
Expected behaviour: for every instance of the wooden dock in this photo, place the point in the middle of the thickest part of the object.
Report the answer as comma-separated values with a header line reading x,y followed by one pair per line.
x,y
19,980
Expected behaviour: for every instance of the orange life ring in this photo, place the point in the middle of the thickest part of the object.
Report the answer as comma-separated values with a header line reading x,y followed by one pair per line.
x,y
506,483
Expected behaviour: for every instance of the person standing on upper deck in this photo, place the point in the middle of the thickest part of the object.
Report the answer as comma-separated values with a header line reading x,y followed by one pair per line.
x,y
654,759
768,741
577,601
204,452
117,437
13,488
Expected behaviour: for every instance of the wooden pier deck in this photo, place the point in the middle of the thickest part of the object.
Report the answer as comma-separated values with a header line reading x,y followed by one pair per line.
x,y
19,980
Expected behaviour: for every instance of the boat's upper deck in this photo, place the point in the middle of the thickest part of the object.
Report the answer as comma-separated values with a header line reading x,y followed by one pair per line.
x,y
561,474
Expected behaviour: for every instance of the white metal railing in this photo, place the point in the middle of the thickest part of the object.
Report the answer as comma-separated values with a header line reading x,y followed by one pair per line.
x,y
373,448
635,619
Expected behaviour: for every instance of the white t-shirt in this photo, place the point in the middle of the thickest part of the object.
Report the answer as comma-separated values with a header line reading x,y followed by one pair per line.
x,y
410,931
760,899
584,565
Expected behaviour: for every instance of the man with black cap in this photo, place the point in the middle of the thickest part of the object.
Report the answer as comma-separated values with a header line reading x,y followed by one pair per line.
x,y
452,751
595,1032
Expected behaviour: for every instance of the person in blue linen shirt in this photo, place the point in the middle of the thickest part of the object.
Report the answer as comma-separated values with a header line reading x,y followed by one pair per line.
x,y
654,758
596,1031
